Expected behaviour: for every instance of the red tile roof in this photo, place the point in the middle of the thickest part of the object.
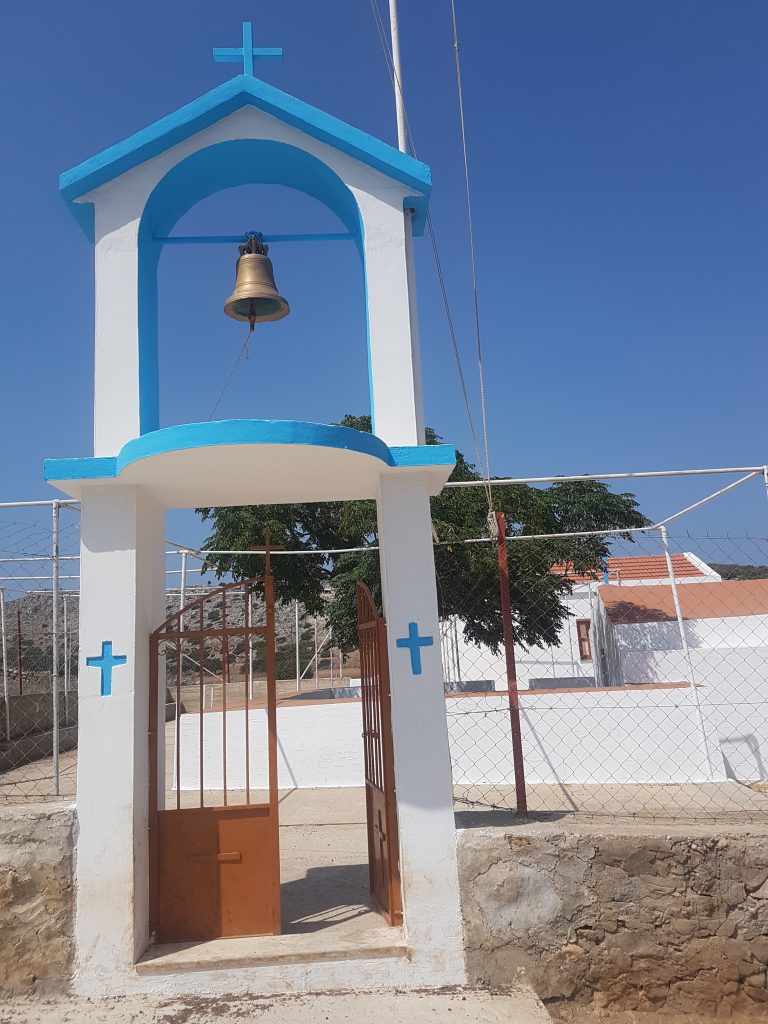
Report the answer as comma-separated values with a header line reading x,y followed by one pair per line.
x,y
638,567
731,598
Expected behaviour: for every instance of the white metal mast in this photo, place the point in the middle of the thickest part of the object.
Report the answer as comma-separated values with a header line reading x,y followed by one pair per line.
x,y
402,130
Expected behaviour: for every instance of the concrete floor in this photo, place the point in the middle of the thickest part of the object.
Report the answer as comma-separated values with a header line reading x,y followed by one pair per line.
x,y
717,804
459,1007
326,905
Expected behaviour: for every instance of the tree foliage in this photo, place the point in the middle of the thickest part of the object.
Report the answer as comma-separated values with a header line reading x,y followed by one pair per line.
x,y
467,574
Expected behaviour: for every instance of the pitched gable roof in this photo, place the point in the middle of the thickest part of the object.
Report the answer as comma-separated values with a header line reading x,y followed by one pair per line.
x,y
225,99
639,567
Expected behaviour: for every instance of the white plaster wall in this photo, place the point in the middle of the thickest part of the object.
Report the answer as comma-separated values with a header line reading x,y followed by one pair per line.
x,y
464,661
591,736
318,746
119,205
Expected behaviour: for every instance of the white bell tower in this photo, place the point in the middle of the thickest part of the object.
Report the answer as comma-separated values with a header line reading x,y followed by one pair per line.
x,y
128,199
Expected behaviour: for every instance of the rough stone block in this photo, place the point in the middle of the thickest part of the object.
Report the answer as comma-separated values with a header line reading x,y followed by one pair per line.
x,y
36,899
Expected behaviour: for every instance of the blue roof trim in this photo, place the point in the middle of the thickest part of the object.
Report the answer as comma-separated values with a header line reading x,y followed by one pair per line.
x,y
223,100
227,432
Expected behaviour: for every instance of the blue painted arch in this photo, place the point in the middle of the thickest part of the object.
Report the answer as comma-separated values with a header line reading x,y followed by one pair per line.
x,y
200,175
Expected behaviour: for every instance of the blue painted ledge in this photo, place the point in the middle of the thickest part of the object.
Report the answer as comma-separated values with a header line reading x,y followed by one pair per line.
x,y
230,432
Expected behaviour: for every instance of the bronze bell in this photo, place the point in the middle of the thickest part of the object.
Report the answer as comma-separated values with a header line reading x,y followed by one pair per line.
x,y
255,298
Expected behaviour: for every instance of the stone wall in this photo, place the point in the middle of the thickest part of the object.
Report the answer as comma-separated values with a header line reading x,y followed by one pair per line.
x,y
632,921
36,898
32,713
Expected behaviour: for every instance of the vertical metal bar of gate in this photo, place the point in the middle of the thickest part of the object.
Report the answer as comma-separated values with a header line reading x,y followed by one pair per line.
x,y
178,723
201,690
246,687
269,598
55,644
224,681
154,708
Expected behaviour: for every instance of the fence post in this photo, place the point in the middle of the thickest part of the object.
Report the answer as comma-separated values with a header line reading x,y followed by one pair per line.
x,y
18,651
183,588
316,652
298,654
55,644
521,797
686,651
65,646
6,694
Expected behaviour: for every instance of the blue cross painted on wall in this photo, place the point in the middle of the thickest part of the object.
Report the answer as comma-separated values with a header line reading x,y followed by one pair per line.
x,y
106,662
414,643
246,52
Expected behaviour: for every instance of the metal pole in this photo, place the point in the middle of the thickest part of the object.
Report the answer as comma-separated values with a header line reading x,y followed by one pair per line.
x,y
397,70
55,644
298,655
6,692
183,589
66,661
250,645
18,650
686,651
521,796
316,652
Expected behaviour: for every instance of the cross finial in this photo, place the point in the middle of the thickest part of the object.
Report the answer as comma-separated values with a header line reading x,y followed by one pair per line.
x,y
246,53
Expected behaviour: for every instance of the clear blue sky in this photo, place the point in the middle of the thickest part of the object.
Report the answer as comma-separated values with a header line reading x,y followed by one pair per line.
x,y
619,161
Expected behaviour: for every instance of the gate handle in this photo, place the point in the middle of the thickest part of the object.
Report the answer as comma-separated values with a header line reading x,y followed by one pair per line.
x,y
229,858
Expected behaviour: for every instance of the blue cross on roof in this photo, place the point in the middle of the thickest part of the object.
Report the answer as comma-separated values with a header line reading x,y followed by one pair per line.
x,y
246,53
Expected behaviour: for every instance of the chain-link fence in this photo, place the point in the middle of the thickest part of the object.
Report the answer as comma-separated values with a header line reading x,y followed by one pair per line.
x,y
639,666
39,560
39,648
642,683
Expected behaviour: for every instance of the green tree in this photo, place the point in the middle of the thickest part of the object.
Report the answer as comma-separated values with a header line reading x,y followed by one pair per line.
x,y
467,574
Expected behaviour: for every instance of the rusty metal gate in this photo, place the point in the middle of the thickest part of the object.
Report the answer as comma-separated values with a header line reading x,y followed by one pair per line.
x,y
214,836
381,805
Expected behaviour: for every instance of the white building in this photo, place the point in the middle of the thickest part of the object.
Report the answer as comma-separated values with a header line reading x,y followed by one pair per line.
x,y
583,657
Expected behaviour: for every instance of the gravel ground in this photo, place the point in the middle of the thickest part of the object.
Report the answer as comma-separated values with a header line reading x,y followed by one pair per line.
x,y
565,1013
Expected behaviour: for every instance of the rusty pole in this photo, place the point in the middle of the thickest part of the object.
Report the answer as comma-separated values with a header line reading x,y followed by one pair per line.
x,y
509,657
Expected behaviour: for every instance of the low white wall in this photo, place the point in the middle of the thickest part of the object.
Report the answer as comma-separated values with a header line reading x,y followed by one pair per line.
x,y
318,745
580,736
595,735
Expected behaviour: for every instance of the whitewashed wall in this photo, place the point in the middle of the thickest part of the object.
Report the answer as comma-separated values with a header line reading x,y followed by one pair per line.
x,y
319,745
465,661
584,736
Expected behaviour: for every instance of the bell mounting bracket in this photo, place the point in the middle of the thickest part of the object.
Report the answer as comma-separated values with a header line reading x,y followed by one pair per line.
x,y
254,243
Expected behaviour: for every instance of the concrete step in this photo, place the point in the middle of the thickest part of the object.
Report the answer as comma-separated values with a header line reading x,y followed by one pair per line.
x,y
517,1006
